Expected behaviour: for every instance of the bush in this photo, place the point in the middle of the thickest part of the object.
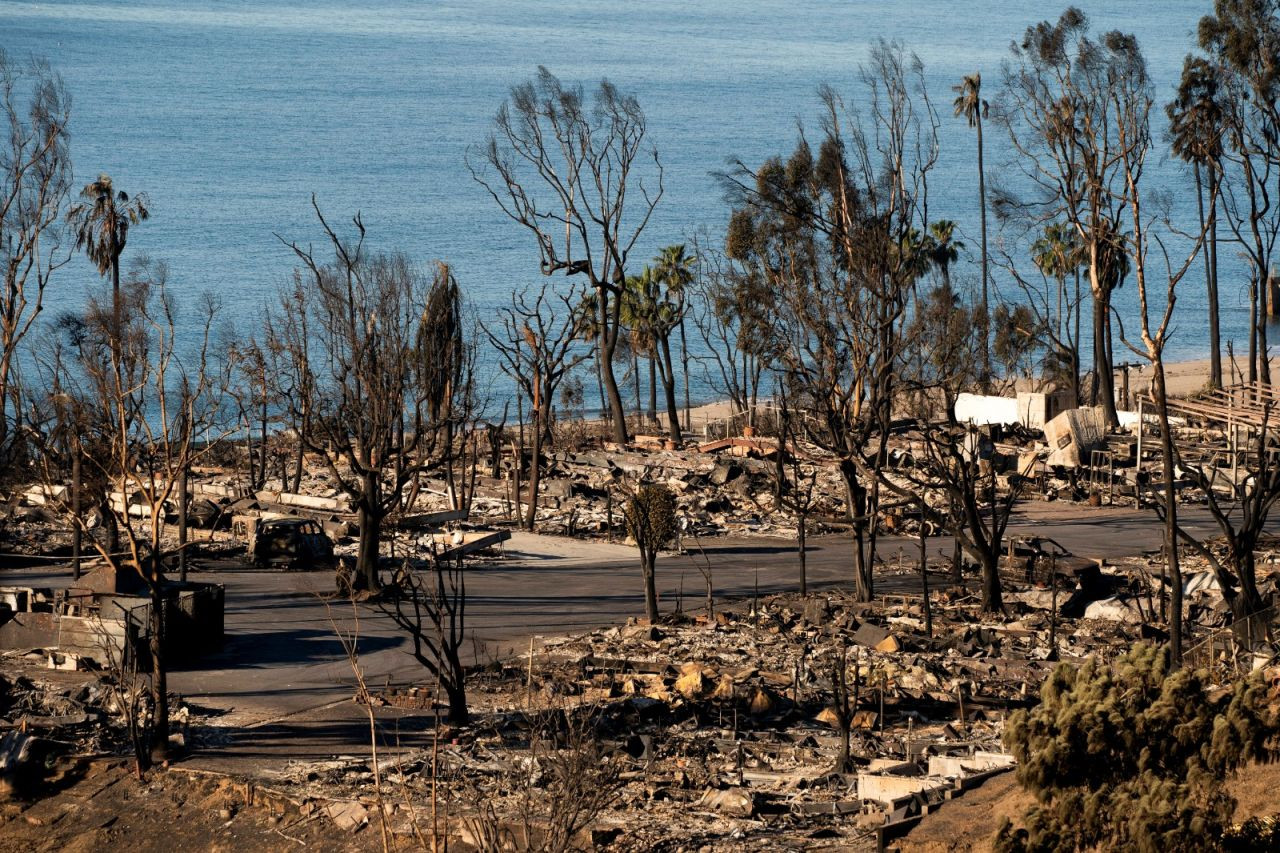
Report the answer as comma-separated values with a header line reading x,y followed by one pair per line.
x,y
1134,756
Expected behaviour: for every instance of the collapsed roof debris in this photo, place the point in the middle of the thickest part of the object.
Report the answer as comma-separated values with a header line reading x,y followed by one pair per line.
x,y
704,727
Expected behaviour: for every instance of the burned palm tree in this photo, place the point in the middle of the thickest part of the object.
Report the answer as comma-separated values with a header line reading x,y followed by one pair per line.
x,y
970,104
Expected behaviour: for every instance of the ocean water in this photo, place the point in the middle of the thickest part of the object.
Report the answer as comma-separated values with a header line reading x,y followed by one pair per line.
x,y
230,115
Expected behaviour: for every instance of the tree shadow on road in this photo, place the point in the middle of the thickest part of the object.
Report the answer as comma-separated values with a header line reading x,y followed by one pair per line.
x,y
273,648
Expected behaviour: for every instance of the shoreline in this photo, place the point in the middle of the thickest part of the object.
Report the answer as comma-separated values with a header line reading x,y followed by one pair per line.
x,y
1189,376
1183,378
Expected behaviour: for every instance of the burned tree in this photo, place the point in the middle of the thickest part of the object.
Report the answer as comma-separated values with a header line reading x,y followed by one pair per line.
x,y
1241,511
946,360
444,364
139,401
1130,102
794,484
956,461
1241,39
1039,336
959,462
286,345
1059,113
831,234
586,159
730,307
431,607
252,371
536,344
1195,137
651,521
377,350
35,175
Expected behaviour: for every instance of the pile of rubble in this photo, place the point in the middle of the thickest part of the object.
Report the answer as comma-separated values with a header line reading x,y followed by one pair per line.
x,y
54,713
729,727
725,486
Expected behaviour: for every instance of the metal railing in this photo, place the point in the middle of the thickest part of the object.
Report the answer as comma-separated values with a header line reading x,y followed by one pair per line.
x,y
1235,650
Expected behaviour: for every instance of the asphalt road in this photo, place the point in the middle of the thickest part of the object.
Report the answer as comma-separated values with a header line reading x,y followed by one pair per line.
x,y
284,682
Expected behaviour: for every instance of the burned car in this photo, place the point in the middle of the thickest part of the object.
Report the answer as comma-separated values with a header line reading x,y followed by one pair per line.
x,y
291,543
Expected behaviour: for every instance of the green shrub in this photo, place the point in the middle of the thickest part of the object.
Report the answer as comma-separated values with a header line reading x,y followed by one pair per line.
x,y
1134,756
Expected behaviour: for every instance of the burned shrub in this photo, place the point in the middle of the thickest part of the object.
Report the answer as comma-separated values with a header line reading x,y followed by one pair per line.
x,y
651,522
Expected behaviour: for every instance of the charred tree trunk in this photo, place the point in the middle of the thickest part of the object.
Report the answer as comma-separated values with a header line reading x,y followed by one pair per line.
x,y
112,524
254,483
606,406
606,343
856,495
262,444
1105,394
647,560
1075,350
457,696
635,380
668,373
296,484
183,507
843,710
992,600
535,471
1264,357
652,412
1211,285
77,524
924,575
985,320
1250,601
1170,518
1244,603
801,550
1241,591
684,360
369,517
159,671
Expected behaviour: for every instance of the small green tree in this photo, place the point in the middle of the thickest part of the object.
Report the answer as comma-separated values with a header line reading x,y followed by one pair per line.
x,y
1134,755
651,521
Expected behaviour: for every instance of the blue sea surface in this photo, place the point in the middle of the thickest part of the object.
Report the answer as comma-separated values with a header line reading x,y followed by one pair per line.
x,y
230,115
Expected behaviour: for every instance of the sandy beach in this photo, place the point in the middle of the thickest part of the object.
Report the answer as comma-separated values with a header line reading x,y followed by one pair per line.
x,y
1185,378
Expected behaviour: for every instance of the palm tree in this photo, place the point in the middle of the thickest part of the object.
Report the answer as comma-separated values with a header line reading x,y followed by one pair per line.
x,y
638,304
944,249
101,224
1195,135
916,250
651,310
584,330
1058,254
969,103
674,269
